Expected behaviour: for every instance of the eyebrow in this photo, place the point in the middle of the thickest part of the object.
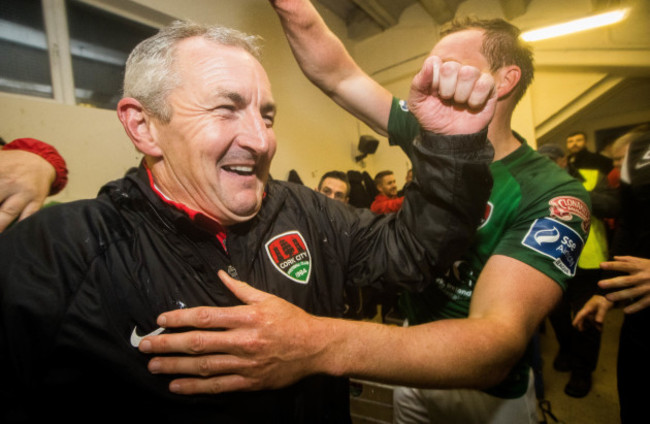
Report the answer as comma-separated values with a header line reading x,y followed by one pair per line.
x,y
233,96
269,108
237,98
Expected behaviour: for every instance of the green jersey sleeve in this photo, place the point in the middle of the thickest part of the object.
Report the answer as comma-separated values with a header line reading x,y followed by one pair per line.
x,y
402,127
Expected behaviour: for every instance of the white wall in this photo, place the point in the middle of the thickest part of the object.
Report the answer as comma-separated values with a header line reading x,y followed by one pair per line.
x,y
92,141
314,134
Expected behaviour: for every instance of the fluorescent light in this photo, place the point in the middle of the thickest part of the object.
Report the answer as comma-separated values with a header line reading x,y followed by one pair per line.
x,y
575,26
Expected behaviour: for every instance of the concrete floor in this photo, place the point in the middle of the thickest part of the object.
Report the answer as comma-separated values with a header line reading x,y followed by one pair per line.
x,y
600,406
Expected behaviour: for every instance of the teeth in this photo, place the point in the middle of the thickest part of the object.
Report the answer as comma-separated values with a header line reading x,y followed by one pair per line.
x,y
241,169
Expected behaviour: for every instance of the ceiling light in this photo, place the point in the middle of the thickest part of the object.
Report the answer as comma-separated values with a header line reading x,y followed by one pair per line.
x,y
575,26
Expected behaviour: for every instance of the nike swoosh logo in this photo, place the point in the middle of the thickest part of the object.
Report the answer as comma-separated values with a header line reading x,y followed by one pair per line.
x,y
640,165
136,339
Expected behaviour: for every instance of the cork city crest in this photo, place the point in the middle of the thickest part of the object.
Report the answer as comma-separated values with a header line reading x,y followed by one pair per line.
x,y
489,207
290,255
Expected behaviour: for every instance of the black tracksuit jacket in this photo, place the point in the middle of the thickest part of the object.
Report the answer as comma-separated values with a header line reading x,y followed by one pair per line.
x,y
78,279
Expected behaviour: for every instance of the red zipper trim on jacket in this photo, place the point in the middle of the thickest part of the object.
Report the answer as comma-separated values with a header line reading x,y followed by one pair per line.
x,y
198,217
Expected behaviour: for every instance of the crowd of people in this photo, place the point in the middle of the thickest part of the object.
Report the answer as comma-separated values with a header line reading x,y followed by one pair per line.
x,y
614,269
113,302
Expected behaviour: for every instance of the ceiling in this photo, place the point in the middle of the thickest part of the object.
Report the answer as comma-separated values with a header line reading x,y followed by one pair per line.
x,y
367,17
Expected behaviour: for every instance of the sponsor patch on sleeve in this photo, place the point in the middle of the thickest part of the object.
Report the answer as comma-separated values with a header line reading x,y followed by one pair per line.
x,y
566,207
557,241
403,105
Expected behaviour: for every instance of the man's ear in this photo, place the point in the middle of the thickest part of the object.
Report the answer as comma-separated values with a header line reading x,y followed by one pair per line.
x,y
138,126
507,78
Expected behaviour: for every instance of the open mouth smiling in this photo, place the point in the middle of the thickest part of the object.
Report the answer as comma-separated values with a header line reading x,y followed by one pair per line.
x,y
245,170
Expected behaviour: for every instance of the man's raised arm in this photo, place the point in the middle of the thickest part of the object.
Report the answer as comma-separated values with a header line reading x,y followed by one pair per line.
x,y
325,61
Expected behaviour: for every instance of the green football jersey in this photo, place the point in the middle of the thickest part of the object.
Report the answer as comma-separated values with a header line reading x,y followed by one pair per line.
x,y
537,213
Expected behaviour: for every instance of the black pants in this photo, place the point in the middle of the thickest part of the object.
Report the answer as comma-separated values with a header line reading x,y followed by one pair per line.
x,y
634,366
582,347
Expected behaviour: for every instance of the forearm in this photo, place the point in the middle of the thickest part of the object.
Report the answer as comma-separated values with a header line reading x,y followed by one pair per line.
x,y
320,54
444,354
510,300
447,200
327,64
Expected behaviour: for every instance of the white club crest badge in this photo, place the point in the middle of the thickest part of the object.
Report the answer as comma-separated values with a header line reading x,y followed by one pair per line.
x,y
289,254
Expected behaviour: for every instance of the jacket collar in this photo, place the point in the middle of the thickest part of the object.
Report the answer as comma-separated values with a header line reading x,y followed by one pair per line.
x,y
247,236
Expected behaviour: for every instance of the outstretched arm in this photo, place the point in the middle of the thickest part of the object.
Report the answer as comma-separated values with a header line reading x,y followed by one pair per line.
x,y
269,343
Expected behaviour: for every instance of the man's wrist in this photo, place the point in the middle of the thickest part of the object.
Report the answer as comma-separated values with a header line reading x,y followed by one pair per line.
x,y
47,152
458,143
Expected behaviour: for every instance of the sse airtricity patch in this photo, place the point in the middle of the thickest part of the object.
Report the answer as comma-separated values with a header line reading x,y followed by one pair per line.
x,y
404,105
557,241
290,255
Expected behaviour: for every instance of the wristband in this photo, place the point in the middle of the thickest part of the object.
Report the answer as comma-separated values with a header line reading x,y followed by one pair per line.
x,y
47,152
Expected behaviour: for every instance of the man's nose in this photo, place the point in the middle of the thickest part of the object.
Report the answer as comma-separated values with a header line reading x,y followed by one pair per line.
x,y
254,134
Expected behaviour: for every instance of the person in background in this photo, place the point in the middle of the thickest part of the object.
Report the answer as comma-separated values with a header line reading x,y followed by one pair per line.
x,y
630,283
619,150
578,350
469,329
30,171
386,200
83,282
335,185
554,153
580,157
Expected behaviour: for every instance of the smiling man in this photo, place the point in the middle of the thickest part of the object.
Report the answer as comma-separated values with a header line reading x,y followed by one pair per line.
x,y
471,327
386,200
81,284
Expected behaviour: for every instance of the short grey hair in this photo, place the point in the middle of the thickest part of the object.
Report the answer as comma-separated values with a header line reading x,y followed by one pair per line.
x,y
150,74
